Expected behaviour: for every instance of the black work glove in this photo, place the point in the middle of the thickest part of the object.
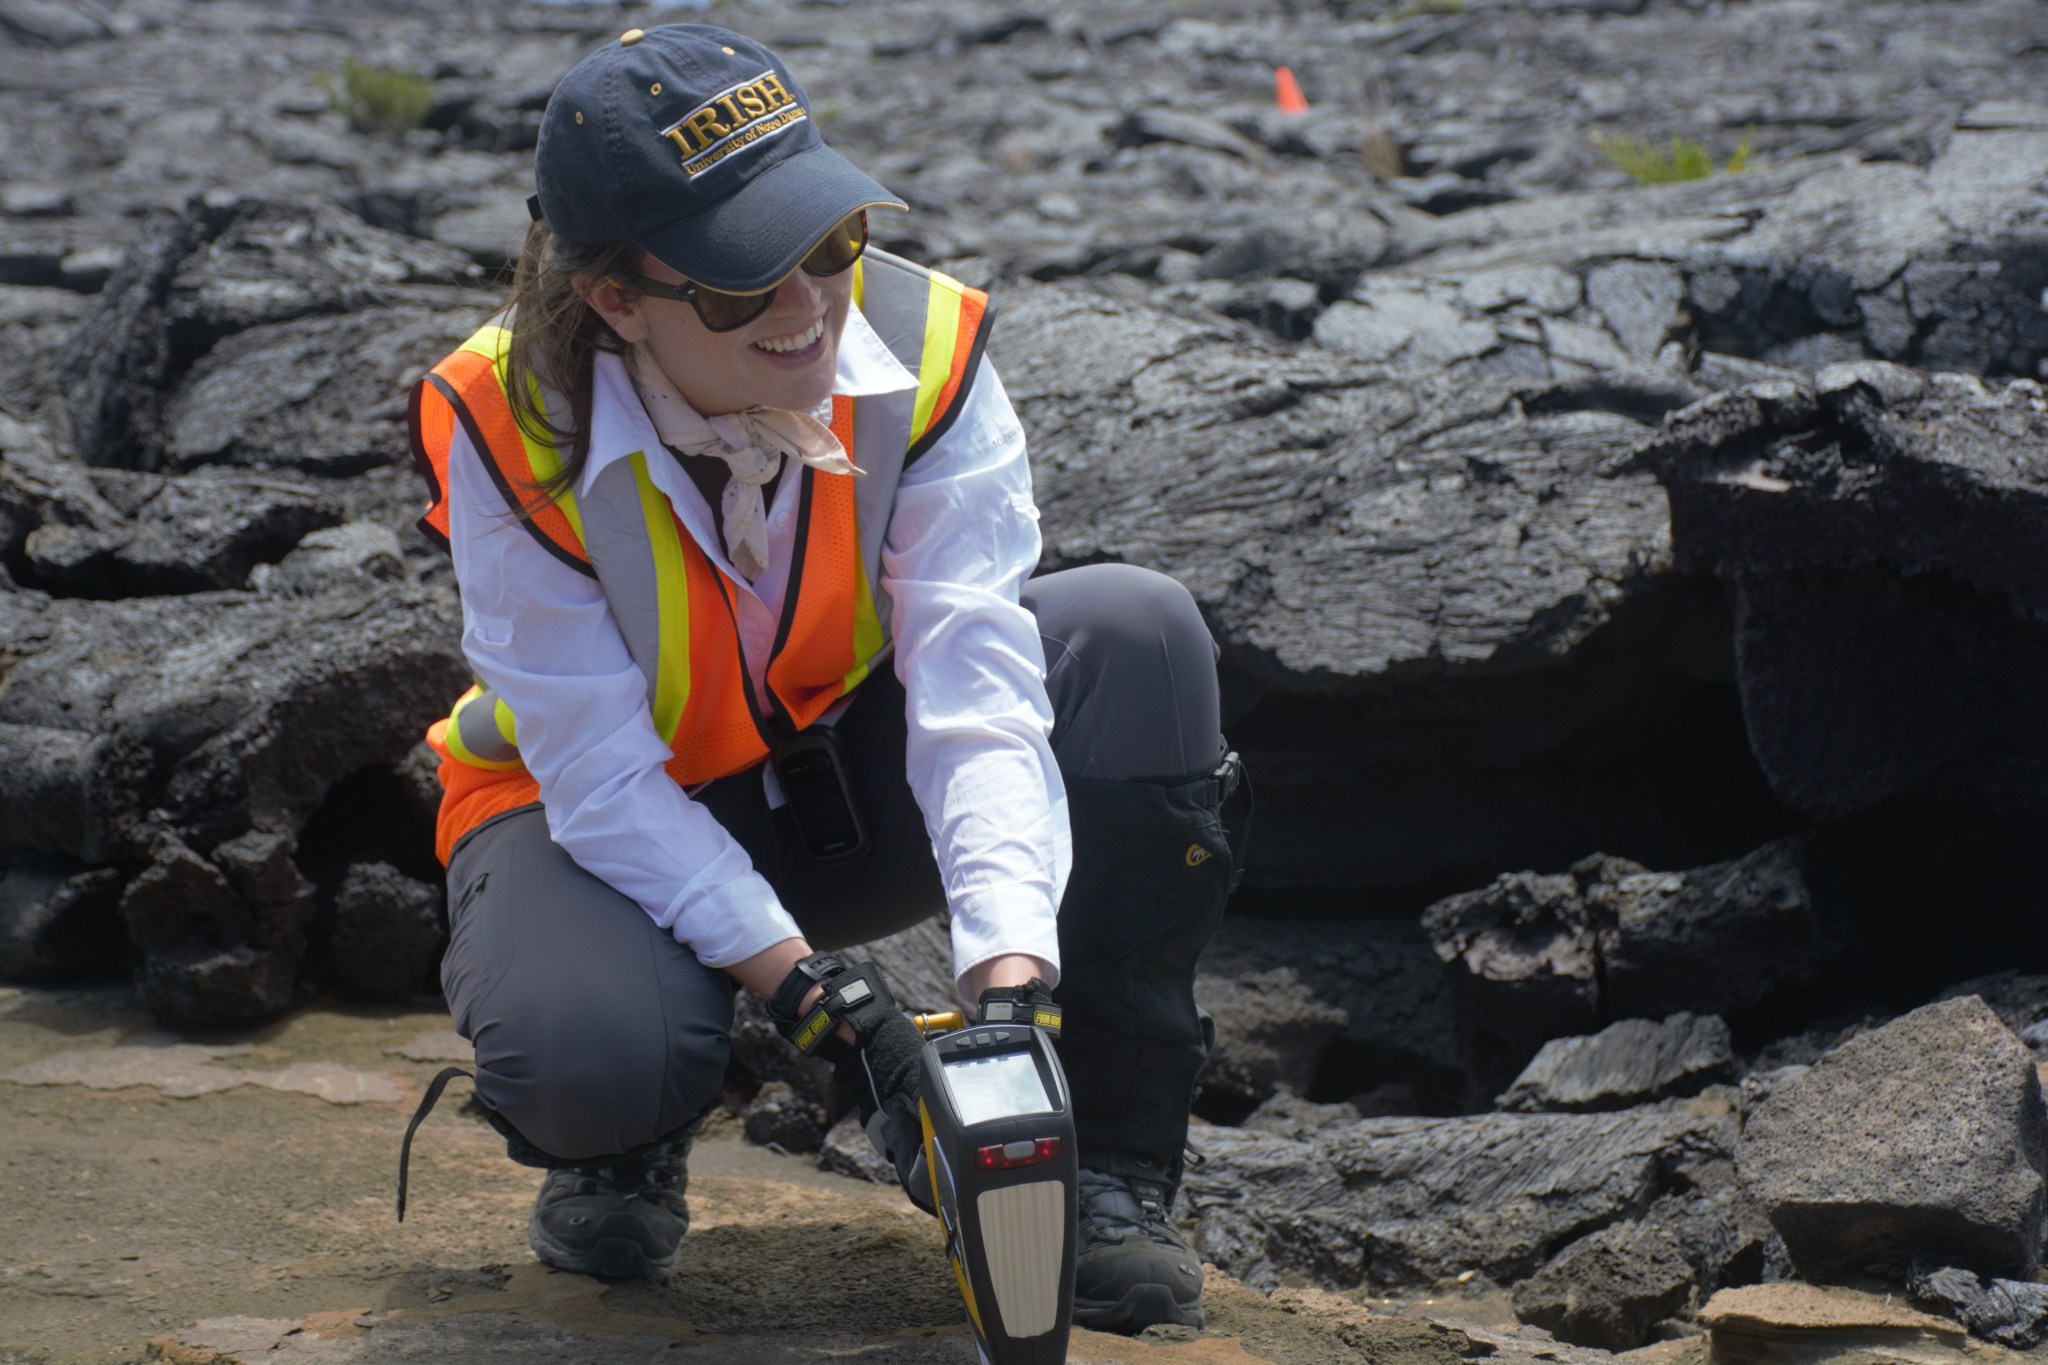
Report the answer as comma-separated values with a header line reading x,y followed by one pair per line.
x,y
882,1067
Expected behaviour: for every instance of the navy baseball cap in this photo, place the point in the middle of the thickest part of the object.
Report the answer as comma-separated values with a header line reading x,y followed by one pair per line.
x,y
697,145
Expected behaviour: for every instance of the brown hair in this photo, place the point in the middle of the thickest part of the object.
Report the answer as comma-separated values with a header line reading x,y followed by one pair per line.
x,y
556,336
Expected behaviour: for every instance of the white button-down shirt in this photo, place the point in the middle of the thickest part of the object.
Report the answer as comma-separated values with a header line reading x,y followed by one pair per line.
x,y
962,539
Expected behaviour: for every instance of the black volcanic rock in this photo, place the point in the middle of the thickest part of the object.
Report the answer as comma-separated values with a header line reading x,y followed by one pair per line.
x,y
1369,378
1609,1288
389,930
1630,1062
1536,957
1881,533
1399,1203
56,919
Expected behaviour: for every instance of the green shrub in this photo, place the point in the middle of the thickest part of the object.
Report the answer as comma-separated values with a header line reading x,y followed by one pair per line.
x,y
1415,9
379,98
1684,159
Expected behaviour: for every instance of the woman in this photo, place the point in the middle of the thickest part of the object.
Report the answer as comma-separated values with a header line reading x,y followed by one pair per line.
x,y
743,525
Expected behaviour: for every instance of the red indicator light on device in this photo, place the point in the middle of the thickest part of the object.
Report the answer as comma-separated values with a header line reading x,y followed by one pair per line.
x,y
1009,1156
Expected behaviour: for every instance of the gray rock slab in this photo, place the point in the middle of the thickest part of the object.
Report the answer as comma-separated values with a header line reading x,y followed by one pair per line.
x,y
847,1151
1393,1203
324,394
1630,1062
1290,1116
1922,1139
491,231
1368,334
1759,1319
1638,300
1544,288
187,1070
52,23
1375,575
356,553
36,201
112,533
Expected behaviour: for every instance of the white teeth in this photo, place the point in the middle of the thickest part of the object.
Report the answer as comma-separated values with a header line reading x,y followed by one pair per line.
x,y
799,342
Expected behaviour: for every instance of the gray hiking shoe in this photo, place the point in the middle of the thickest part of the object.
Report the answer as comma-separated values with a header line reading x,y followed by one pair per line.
x,y
1133,1269
623,1220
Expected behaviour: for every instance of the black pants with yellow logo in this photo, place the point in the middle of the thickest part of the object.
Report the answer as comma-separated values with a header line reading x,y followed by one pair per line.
x,y
597,1033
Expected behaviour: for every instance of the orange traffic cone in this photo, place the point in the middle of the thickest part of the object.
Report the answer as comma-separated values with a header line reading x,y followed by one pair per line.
x,y
1287,96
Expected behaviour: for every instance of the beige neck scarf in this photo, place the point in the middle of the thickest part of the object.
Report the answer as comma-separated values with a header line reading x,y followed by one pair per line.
x,y
752,444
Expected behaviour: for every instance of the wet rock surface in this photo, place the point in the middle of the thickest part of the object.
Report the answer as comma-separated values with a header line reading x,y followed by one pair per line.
x,y
1642,579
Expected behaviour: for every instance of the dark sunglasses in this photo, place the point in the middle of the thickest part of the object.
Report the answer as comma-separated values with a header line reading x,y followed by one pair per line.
x,y
724,311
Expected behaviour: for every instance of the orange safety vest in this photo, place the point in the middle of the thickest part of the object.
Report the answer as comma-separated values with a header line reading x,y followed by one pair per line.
x,y
672,604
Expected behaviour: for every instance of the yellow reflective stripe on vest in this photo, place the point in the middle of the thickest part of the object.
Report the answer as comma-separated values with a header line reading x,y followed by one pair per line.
x,y
672,596
479,732
494,344
867,629
935,367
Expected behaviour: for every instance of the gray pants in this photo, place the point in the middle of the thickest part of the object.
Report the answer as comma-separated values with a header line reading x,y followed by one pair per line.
x,y
597,1033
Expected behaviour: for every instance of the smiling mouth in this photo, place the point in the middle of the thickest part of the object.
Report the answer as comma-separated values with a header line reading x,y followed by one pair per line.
x,y
797,341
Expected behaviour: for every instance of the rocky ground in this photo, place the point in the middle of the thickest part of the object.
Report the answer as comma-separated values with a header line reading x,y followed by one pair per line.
x,y
226,1199
1630,597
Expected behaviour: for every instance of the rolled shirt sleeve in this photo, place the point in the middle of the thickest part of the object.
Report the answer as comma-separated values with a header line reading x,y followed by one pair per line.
x,y
541,636
961,542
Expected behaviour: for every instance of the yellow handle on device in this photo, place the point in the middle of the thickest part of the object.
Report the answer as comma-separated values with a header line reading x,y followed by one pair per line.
x,y
943,1021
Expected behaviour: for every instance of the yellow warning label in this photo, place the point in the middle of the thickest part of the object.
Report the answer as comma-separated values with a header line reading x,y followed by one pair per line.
x,y
813,1028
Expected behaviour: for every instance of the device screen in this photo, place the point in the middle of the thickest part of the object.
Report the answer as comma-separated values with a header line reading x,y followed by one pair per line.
x,y
996,1087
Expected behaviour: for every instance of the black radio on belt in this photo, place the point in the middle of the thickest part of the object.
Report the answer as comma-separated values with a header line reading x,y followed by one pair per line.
x,y
811,766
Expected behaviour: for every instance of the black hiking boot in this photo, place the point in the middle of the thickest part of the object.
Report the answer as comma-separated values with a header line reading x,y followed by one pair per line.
x,y
1134,1268
622,1220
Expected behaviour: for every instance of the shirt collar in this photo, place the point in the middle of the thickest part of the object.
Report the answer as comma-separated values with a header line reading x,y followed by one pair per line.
x,y
620,426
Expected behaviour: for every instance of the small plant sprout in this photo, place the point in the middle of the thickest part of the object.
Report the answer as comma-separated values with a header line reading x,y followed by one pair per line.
x,y
1417,9
1681,159
379,98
